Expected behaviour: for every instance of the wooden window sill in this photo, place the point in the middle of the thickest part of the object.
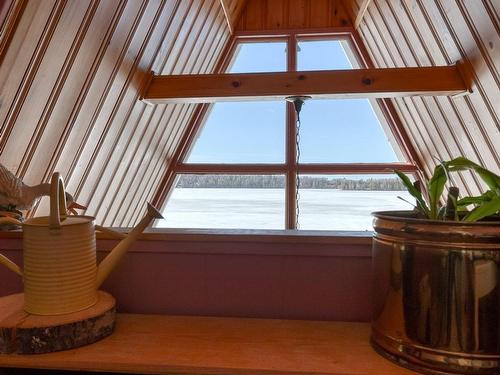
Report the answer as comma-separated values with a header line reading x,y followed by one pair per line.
x,y
263,242
239,235
154,344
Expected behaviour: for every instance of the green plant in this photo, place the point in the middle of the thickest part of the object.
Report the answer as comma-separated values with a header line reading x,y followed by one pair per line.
x,y
486,204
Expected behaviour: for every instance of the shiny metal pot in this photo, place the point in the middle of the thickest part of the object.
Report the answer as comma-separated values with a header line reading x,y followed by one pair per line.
x,y
437,294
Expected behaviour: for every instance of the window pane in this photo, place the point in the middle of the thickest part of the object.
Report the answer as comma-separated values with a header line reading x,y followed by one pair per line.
x,y
242,132
322,55
346,202
259,57
342,131
226,201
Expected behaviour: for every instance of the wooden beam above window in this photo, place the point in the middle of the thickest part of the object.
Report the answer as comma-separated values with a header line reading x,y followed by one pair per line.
x,y
331,84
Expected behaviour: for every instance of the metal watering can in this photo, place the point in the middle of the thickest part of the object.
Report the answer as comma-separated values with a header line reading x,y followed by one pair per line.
x,y
60,274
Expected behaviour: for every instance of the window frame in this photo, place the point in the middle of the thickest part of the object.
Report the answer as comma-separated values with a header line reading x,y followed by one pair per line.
x,y
290,168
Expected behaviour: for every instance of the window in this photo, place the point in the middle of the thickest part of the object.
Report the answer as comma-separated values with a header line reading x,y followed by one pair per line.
x,y
252,166
259,57
342,131
233,131
322,55
345,202
227,201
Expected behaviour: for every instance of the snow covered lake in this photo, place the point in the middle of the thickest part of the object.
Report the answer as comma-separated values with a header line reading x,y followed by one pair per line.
x,y
321,209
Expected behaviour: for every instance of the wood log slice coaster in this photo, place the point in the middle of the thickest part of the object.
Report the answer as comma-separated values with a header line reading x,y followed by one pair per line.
x,y
25,333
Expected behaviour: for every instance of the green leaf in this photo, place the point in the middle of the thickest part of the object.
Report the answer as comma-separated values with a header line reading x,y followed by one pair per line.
x,y
489,178
436,187
477,200
421,204
486,204
487,209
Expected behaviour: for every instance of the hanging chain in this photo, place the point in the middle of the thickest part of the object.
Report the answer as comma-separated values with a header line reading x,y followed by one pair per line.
x,y
297,160
297,101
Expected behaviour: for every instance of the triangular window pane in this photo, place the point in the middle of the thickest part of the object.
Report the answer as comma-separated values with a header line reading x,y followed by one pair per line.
x,y
343,131
322,55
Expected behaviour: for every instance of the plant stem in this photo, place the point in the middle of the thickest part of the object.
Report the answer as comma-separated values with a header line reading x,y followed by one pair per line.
x,y
450,212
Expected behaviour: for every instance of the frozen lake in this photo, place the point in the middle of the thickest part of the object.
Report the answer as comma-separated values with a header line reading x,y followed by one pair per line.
x,y
322,209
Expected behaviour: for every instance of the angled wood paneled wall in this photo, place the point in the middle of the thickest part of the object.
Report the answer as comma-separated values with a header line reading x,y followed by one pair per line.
x,y
73,71
423,33
69,95
4,9
10,14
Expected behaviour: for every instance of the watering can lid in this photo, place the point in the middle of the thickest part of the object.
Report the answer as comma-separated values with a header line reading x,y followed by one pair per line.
x,y
44,221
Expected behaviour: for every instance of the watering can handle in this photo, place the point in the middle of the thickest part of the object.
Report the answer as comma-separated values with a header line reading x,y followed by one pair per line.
x,y
57,201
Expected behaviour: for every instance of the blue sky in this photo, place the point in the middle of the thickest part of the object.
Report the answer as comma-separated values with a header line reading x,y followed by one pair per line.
x,y
332,131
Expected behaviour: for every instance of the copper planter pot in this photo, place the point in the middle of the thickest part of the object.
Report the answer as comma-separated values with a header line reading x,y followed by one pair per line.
x,y
437,294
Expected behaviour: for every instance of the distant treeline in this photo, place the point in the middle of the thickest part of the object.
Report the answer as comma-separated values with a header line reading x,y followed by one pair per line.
x,y
275,182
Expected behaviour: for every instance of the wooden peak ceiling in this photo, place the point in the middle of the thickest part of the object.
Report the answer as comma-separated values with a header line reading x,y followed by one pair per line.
x,y
272,15
72,71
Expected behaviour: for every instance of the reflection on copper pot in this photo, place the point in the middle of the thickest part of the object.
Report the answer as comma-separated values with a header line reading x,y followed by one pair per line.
x,y
437,294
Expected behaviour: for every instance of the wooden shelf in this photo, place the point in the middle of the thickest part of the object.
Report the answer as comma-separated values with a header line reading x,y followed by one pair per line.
x,y
154,344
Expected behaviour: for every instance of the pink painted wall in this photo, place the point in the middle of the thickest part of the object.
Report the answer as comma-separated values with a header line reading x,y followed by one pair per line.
x,y
299,278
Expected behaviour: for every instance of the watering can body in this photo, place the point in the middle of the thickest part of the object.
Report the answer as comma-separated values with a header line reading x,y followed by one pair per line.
x,y
61,274
59,265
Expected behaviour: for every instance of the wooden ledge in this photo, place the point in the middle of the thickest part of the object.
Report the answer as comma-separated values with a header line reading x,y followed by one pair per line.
x,y
256,235
245,242
237,235
154,344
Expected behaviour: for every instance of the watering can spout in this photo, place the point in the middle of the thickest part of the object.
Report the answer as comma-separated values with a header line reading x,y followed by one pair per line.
x,y
109,263
10,265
